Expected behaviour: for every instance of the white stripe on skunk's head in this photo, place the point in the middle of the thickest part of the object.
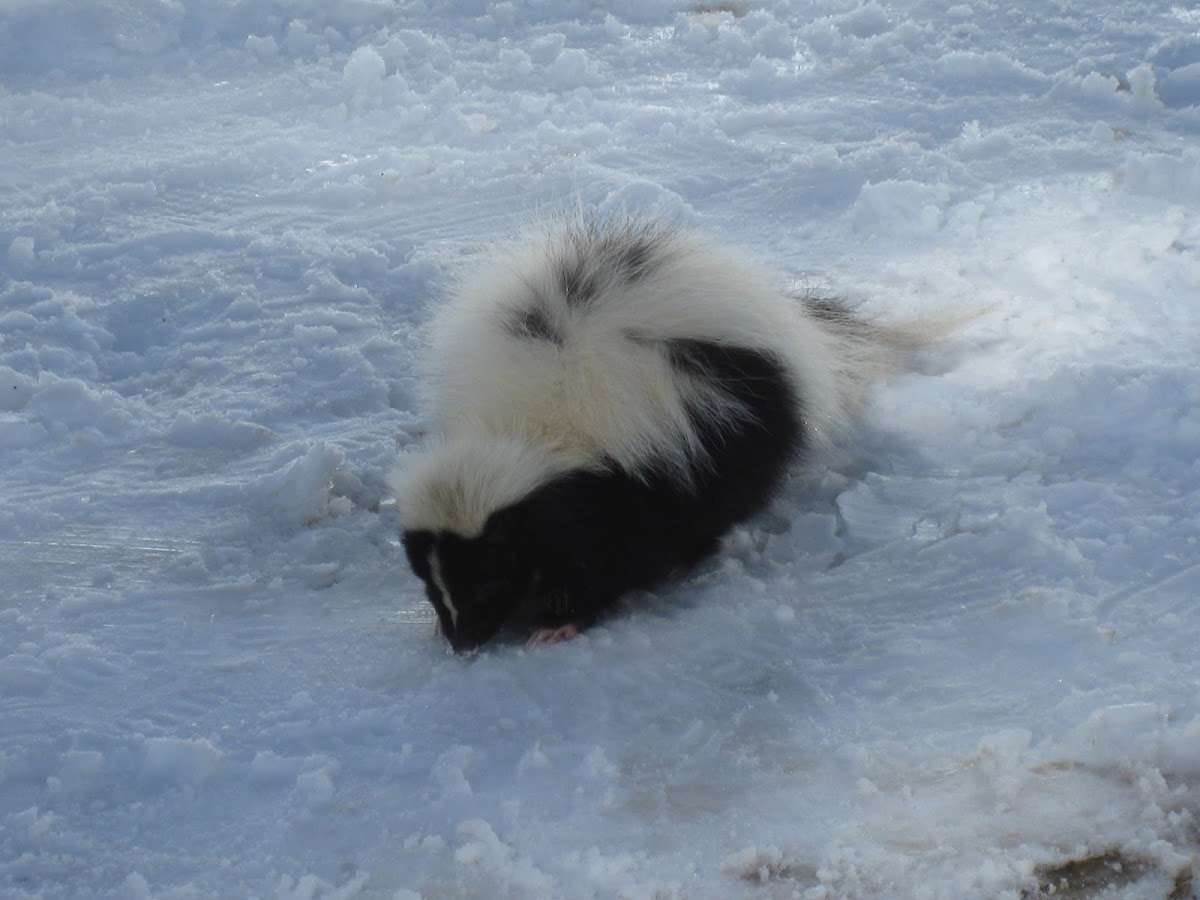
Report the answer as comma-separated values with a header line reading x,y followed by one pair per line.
x,y
457,484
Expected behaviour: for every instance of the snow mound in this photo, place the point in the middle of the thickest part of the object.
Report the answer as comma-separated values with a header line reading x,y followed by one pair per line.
x,y
1162,175
177,760
213,430
300,493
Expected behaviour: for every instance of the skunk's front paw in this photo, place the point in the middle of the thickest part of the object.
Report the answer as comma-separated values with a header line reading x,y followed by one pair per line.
x,y
552,635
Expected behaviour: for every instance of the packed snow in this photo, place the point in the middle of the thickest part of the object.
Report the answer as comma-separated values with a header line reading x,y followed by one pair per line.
x,y
962,661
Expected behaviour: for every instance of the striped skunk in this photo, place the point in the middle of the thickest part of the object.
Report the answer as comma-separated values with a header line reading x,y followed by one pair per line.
x,y
611,398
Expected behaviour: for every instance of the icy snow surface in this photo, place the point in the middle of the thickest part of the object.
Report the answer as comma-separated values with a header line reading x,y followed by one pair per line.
x,y
964,662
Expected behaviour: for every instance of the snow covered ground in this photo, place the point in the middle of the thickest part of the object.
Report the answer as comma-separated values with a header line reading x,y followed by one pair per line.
x,y
962,663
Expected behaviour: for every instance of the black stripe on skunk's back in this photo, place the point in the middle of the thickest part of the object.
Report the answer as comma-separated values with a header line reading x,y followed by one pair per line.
x,y
579,285
748,452
594,260
636,259
533,324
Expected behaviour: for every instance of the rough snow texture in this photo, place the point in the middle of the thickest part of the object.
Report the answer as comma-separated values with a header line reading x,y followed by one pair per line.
x,y
963,663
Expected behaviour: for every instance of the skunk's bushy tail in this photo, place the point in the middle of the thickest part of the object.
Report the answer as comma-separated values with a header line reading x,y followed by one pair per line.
x,y
578,340
866,350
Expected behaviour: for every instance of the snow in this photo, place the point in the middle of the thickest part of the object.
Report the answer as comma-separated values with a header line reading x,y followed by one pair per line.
x,y
961,662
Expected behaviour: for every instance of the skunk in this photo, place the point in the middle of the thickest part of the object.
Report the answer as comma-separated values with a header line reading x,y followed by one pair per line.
x,y
610,399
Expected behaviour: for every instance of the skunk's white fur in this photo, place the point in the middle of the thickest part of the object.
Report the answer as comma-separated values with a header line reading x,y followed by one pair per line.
x,y
457,483
512,411
556,356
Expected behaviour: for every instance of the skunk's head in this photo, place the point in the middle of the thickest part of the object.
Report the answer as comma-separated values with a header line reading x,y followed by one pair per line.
x,y
476,576
475,584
